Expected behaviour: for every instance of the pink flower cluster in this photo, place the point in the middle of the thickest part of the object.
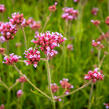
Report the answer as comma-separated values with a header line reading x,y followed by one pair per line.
x,y
69,13
53,7
2,106
94,11
95,22
7,31
33,24
54,87
66,85
33,57
106,105
70,47
22,79
48,41
94,75
97,44
2,8
19,93
17,19
107,20
11,59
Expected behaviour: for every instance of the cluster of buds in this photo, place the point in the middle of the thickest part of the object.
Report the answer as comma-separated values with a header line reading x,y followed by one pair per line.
x,y
69,13
33,56
2,8
95,22
17,19
2,50
103,36
97,44
11,59
48,41
22,79
54,87
106,105
7,30
2,106
70,47
19,93
53,7
94,11
107,20
66,85
94,75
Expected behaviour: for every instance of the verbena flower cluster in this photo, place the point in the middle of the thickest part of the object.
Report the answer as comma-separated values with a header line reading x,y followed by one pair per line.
x,y
69,13
70,47
94,11
33,56
106,105
94,75
2,8
53,7
7,31
64,84
33,24
2,106
11,59
95,22
17,19
97,44
48,41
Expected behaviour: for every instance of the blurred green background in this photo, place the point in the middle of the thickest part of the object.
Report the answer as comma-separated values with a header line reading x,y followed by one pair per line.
x,y
73,65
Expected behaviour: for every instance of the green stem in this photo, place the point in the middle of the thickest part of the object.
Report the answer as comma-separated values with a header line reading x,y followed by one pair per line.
x,y
31,82
90,97
25,40
74,91
47,19
49,83
8,100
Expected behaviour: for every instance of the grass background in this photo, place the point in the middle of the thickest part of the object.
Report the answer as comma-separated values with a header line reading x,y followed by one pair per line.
x,y
73,64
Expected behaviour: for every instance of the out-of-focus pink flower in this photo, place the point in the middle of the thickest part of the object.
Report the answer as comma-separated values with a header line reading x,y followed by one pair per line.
x,y
66,85
48,41
33,57
53,7
2,106
19,93
35,25
94,11
57,99
76,1
70,47
97,44
2,8
106,105
22,79
94,75
95,22
11,59
54,87
2,39
107,20
7,30
2,50
69,13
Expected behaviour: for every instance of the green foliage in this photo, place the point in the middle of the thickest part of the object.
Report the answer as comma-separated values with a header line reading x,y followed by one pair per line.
x,y
72,64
